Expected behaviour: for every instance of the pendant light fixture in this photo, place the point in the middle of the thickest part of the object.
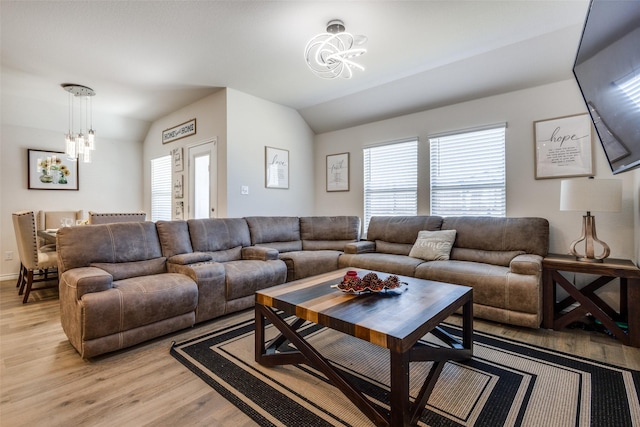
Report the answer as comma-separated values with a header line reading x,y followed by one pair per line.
x,y
330,55
80,144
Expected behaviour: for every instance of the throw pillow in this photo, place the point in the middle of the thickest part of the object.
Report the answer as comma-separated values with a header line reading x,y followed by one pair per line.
x,y
433,245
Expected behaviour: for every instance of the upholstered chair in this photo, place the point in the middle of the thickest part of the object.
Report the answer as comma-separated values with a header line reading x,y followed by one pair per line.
x,y
36,264
110,218
52,219
46,220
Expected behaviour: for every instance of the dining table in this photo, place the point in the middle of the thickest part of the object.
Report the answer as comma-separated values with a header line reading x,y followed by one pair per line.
x,y
48,235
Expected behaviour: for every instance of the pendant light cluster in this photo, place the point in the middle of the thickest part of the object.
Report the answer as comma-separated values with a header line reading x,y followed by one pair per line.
x,y
80,144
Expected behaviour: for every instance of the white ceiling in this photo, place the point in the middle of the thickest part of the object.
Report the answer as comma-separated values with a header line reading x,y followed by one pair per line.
x,y
146,59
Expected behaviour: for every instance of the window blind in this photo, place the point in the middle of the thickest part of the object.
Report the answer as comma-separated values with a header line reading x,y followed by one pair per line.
x,y
390,180
468,173
161,188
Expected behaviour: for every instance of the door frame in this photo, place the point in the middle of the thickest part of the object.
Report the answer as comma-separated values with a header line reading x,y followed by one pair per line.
x,y
213,177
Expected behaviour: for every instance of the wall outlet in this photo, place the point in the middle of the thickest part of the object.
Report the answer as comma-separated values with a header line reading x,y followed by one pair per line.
x,y
244,189
8,255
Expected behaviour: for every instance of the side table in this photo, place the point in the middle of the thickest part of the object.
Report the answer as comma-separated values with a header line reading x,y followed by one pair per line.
x,y
608,270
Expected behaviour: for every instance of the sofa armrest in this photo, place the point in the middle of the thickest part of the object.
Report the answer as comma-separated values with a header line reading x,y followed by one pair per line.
x,y
211,280
84,280
260,253
198,272
190,258
360,247
526,264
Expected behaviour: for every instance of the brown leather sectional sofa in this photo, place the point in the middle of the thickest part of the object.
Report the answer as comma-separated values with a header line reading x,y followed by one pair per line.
x,y
125,283
501,258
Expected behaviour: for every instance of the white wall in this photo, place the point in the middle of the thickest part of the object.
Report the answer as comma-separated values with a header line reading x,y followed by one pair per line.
x,y
111,183
243,125
253,124
526,196
211,122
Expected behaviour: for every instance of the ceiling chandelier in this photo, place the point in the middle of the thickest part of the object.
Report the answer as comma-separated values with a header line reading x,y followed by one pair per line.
x,y
329,55
78,144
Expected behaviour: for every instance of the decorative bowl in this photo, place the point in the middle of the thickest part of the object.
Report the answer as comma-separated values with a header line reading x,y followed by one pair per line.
x,y
369,283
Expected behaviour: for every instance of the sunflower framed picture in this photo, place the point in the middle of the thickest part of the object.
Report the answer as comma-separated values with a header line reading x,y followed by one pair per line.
x,y
51,170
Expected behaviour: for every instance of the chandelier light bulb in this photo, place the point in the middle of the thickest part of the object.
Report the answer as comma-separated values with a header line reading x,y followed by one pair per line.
x,y
91,137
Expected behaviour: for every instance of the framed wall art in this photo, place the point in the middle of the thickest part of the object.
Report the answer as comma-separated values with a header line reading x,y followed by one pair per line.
x,y
51,170
179,210
563,147
180,131
338,172
176,154
276,168
178,186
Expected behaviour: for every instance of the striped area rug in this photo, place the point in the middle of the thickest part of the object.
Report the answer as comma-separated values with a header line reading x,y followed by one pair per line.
x,y
507,383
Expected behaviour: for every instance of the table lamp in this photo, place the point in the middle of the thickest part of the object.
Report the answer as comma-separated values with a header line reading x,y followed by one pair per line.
x,y
602,195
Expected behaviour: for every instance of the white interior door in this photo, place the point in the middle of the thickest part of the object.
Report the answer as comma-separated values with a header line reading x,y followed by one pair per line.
x,y
202,185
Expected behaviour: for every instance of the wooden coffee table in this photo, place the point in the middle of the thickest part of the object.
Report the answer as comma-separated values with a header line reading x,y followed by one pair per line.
x,y
395,320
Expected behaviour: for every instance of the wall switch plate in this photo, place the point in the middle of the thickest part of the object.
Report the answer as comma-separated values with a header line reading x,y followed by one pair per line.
x,y
8,255
244,189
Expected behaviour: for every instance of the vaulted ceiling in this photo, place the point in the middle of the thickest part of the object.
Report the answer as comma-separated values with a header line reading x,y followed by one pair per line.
x,y
146,59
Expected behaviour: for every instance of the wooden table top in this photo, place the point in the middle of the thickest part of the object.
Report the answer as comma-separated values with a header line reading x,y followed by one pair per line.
x,y
389,319
609,267
49,236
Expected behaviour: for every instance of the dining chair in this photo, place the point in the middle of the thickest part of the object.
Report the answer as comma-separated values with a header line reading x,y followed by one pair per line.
x,y
109,218
36,264
52,219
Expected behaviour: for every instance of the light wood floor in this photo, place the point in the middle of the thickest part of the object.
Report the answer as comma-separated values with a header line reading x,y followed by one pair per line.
x,y
44,382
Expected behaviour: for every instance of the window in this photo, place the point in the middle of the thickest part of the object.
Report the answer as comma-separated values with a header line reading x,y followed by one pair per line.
x,y
468,173
161,188
391,180
630,85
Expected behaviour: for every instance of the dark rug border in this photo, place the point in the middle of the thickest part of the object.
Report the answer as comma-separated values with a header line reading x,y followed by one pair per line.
x,y
603,407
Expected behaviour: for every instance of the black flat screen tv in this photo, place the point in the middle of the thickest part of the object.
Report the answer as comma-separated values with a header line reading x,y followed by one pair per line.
x,y
607,69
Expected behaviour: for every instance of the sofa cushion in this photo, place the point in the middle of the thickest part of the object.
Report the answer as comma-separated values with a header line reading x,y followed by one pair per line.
x,y
218,234
433,245
126,270
324,245
174,237
108,243
328,232
244,278
301,264
267,229
493,285
233,254
401,229
388,263
136,302
530,235
385,247
502,258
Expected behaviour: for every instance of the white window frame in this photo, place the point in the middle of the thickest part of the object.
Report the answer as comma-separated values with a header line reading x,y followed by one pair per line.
x,y
161,188
468,172
390,179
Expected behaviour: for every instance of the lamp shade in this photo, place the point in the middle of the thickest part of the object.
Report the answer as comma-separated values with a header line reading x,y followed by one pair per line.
x,y
597,195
